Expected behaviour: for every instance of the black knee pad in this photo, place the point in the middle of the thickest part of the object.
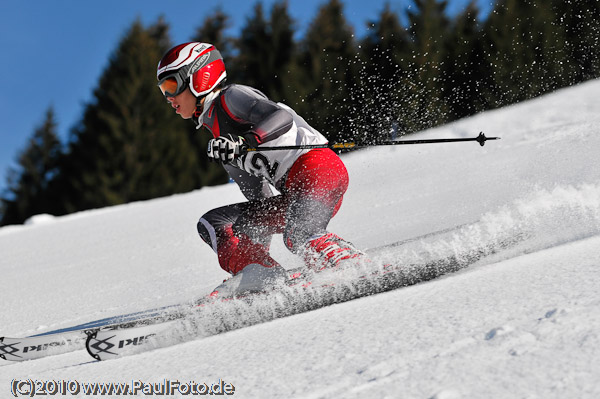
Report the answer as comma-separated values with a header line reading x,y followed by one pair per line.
x,y
214,220
207,233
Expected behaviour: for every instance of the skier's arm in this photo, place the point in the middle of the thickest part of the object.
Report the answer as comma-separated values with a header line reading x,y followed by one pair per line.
x,y
265,119
270,121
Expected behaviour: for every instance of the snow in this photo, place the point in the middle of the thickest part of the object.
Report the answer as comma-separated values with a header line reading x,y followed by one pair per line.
x,y
522,322
40,219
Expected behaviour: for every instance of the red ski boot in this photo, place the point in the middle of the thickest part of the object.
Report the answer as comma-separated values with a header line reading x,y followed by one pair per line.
x,y
329,251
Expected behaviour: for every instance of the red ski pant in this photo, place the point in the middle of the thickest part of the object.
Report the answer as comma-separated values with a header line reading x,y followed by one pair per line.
x,y
241,233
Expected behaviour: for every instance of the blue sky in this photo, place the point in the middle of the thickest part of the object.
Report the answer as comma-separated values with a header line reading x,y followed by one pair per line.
x,y
53,52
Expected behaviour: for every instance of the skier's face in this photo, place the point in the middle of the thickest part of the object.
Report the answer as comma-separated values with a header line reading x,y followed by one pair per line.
x,y
184,103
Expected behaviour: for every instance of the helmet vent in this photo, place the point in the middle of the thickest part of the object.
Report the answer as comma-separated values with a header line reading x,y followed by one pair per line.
x,y
205,79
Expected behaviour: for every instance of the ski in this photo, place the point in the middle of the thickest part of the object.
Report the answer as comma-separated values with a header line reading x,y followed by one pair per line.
x,y
106,344
73,338
29,348
303,291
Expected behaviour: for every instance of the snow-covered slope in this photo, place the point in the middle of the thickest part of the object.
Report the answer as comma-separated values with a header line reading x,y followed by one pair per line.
x,y
524,322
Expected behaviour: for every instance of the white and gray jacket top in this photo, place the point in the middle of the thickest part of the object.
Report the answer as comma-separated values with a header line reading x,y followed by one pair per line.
x,y
239,110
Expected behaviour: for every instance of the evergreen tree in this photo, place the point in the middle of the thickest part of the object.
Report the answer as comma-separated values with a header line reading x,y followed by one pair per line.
x,y
250,66
160,33
581,21
283,51
266,49
464,72
330,94
424,102
212,30
29,186
385,53
130,145
525,47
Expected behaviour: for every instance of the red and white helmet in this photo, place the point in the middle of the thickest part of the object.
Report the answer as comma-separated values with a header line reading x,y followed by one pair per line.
x,y
198,66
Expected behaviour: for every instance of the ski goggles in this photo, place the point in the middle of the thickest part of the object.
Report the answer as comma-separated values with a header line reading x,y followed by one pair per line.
x,y
172,85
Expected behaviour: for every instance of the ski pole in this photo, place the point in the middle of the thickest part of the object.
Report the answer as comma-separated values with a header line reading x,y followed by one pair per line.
x,y
481,139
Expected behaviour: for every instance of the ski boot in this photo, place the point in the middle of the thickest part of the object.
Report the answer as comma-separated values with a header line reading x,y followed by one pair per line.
x,y
328,251
254,278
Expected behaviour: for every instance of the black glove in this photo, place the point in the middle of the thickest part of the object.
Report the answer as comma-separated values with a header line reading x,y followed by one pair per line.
x,y
226,148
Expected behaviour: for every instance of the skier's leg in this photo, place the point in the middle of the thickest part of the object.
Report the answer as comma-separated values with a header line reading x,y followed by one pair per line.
x,y
235,249
316,186
214,226
249,261
260,219
308,237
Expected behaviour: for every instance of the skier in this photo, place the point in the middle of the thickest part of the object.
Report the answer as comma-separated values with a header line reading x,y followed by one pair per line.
x,y
311,183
